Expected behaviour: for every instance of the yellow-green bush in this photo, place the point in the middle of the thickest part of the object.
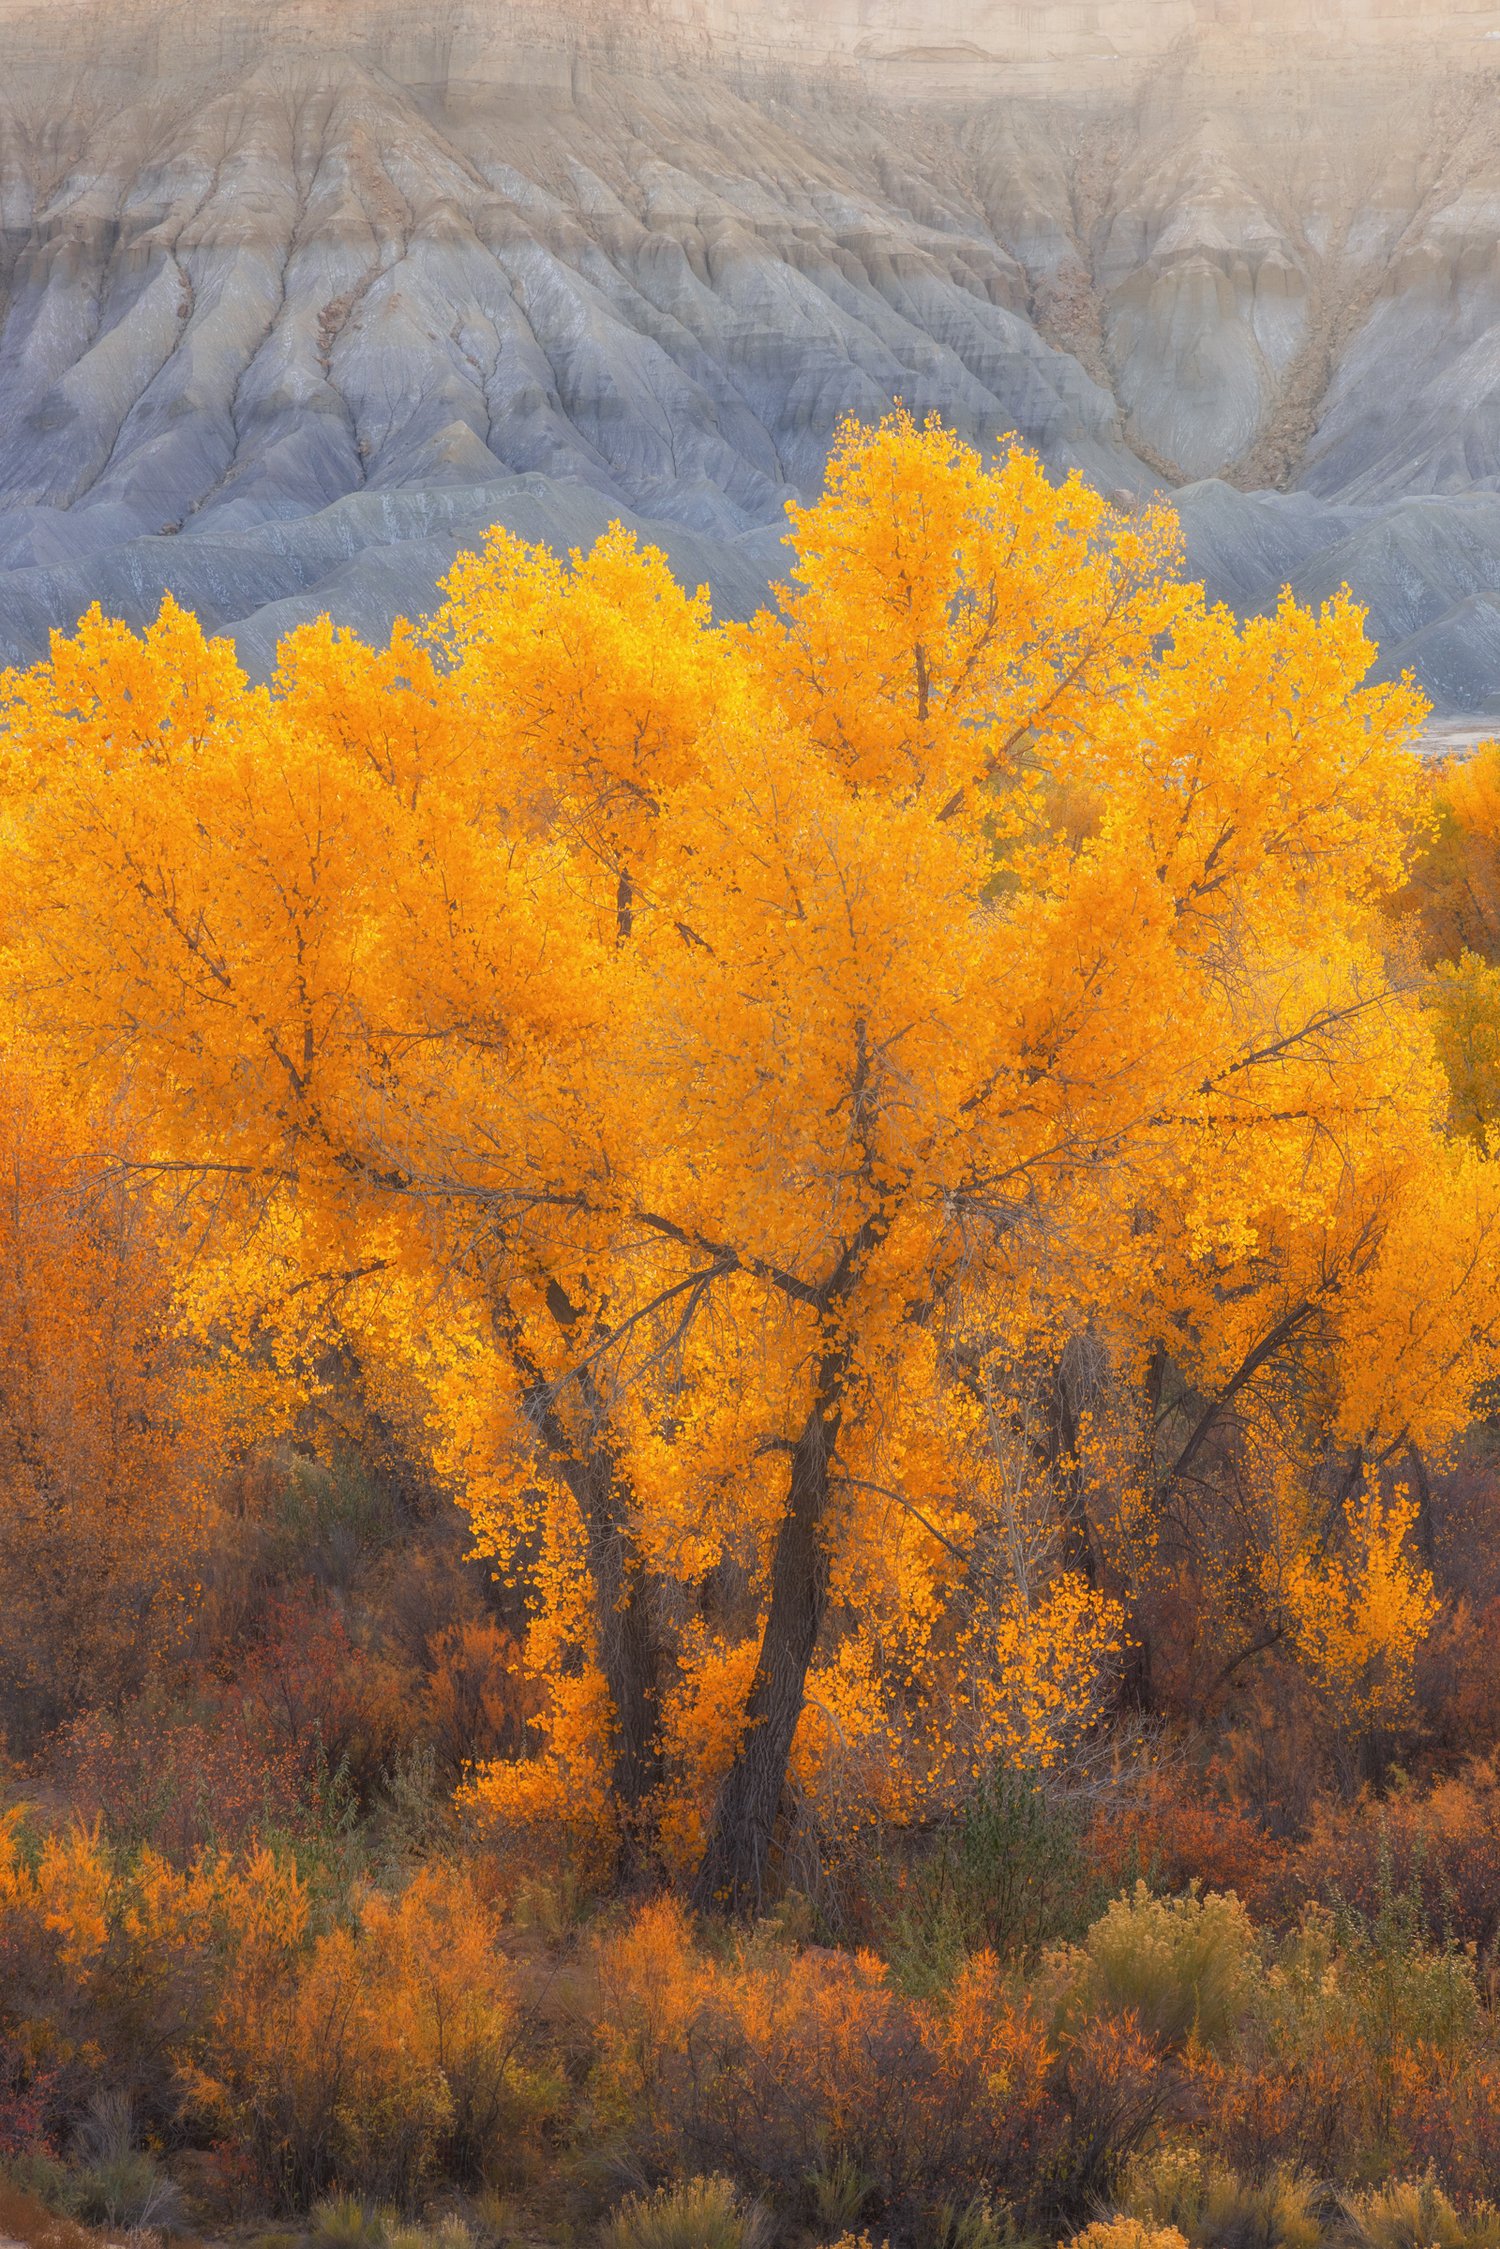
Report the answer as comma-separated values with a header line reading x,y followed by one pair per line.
x,y
1416,2214
696,2214
1183,1968
1185,2188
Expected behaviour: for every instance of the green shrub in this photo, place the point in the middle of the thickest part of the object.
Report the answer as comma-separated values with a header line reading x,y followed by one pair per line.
x,y
839,2193
969,2225
407,2237
327,1519
130,2190
496,2219
1008,1878
115,2182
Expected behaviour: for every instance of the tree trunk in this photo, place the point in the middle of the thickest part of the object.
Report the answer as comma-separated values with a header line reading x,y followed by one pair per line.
x,y
1065,1470
1426,1535
625,1607
625,1622
737,1855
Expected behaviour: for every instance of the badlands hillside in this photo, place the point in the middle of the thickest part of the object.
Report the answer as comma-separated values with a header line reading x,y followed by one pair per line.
x,y
297,296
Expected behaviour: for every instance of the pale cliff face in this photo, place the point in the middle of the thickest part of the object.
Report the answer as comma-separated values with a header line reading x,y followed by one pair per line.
x,y
911,47
1073,33
261,260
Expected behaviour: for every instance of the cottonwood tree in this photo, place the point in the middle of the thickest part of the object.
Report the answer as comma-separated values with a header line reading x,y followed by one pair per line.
x,y
737,1071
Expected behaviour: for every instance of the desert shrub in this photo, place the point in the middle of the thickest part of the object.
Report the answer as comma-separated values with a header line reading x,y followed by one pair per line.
x,y
1391,1990
697,2214
1183,2186
115,2181
1271,1756
180,1778
1354,2034
1416,2214
1456,2132
975,2224
26,2092
346,2221
310,1712
129,2190
343,2221
369,2053
1178,1967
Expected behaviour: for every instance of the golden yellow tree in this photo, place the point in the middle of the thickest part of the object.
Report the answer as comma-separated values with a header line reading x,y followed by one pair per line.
x,y
733,1074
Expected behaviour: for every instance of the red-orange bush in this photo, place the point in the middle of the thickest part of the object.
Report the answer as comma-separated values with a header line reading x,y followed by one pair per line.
x,y
1170,1830
1440,1846
315,1691
776,2067
1458,1677
1456,2129
183,1782
1258,2113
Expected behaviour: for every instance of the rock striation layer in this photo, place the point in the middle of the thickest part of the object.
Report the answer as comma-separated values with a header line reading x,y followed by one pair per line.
x,y
296,297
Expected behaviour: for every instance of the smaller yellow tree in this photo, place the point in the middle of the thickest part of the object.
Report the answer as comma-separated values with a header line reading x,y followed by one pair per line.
x,y
1359,1615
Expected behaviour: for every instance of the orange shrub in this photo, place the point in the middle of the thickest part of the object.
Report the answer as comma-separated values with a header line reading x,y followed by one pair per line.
x,y
385,2053
368,2054
105,1968
781,2067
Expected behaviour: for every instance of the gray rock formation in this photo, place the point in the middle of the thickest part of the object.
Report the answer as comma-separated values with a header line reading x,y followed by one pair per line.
x,y
297,296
